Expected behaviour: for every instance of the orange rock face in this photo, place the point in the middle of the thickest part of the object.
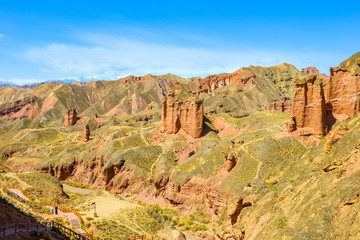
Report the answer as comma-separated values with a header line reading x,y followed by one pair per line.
x,y
70,117
308,111
186,114
315,112
282,106
86,133
343,94
242,78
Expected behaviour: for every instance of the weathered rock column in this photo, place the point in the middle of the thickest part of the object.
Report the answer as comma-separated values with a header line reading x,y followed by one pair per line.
x,y
70,117
86,133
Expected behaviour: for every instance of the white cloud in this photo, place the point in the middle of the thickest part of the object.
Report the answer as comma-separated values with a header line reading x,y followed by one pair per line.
x,y
109,57
106,57
2,35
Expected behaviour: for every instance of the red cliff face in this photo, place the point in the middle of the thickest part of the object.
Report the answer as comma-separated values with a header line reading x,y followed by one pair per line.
x,y
181,111
315,112
70,117
242,77
343,93
308,109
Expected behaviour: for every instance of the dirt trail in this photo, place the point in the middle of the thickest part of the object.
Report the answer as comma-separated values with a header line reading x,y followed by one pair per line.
x,y
154,164
142,136
19,193
76,189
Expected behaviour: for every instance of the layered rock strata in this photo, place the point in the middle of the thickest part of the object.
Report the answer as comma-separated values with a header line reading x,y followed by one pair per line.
x,y
182,111
23,108
70,117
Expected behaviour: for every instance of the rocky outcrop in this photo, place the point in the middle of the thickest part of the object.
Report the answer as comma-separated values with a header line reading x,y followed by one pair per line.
x,y
308,111
182,111
86,133
231,161
343,92
335,137
235,207
241,78
23,108
282,106
309,71
70,117
315,112
225,129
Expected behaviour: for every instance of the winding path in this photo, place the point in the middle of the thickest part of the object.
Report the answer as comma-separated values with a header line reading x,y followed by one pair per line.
x,y
74,220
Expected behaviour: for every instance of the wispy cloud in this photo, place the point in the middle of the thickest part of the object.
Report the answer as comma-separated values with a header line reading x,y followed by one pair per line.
x,y
107,57
2,35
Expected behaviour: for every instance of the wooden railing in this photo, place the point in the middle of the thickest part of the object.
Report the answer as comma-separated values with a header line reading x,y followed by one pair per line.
x,y
69,232
61,208
21,227
10,229
142,237
45,203
12,186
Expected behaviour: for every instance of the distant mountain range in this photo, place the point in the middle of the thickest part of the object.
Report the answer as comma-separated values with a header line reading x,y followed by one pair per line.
x,y
31,86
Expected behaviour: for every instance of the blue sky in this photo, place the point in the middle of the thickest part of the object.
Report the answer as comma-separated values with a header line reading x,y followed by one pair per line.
x,y
44,40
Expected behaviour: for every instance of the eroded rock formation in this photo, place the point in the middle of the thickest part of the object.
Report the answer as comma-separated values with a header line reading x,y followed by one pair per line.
x,y
309,115
70,117
282,106
309,71
182,111
241,77
86,133
317,108
343,92
23,108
